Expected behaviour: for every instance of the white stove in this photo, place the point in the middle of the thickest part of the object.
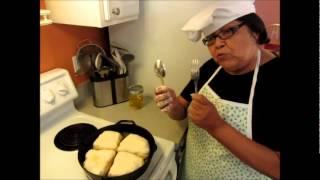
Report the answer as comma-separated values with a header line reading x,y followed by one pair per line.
x,y
57,112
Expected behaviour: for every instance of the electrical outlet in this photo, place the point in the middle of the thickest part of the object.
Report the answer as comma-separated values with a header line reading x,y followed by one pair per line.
x,y
76,67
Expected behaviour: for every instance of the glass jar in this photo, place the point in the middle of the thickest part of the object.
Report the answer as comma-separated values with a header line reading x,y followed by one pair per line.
x,y
136,96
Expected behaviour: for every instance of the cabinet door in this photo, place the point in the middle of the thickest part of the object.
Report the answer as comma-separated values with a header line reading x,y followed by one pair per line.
x,y
119,11
122,9
75,12
94,13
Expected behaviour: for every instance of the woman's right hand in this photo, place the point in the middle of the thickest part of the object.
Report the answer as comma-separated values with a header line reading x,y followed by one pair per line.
x,y
165,98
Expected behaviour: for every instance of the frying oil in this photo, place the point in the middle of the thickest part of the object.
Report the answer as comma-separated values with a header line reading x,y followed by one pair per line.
x,y
136,96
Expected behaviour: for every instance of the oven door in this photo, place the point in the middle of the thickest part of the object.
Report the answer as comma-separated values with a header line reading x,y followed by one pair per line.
x,y
166,168
170,173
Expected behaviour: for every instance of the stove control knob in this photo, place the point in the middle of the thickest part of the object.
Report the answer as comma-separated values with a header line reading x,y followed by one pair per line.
x,y
48,96
62,89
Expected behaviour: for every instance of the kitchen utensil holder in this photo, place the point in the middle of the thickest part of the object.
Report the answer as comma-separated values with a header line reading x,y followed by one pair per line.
x,y
110,90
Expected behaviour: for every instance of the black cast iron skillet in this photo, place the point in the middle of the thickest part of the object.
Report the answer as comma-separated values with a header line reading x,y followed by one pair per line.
x,y
124,127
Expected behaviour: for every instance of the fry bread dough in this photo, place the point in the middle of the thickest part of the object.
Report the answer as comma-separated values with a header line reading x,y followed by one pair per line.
x,y
108,140
125,163
135,144
99,161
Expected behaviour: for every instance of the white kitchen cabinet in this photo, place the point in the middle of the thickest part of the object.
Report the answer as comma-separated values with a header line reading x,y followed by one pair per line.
x,y
93,13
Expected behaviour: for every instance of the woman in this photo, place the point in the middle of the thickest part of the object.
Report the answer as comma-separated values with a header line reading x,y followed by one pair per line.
x,y
232,133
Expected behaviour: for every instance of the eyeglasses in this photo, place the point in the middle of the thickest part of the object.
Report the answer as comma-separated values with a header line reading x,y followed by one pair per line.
x,y
223,34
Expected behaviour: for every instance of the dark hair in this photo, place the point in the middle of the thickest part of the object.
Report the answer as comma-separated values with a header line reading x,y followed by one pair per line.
x,y
256,25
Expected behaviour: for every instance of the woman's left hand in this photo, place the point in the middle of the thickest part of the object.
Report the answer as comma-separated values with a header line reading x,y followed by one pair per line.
x,y
203,113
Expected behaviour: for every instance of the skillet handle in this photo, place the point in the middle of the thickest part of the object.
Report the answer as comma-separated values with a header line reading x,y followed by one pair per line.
x,y
130,122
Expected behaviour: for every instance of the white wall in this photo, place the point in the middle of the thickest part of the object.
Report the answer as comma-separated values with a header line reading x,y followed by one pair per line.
x,y
157,34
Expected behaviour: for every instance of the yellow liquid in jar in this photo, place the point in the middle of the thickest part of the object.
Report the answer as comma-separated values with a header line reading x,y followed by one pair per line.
x,y
136,100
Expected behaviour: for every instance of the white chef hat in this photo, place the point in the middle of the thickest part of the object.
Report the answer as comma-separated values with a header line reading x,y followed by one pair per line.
x,y
216,16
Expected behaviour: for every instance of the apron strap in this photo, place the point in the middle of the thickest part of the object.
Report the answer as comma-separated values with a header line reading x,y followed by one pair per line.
x,y
213,75
253,85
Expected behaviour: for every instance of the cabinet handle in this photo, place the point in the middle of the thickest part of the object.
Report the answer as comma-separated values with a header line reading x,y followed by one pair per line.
x,y
116,11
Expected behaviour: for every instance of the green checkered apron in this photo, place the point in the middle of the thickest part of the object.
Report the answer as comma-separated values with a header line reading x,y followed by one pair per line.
x,y
205,158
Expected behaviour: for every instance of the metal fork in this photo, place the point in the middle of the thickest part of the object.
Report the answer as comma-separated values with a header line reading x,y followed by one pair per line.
x,y
195,74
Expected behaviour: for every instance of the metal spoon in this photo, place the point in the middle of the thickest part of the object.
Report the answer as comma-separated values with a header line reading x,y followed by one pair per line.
x,y
160,70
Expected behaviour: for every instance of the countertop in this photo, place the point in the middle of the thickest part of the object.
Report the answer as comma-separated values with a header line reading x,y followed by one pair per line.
x,y
148,117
